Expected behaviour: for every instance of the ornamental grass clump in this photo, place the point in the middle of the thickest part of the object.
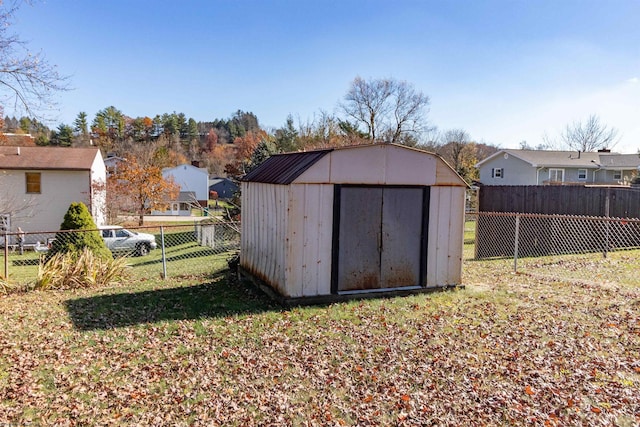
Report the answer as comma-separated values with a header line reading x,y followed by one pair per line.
x,y
5,286
74,270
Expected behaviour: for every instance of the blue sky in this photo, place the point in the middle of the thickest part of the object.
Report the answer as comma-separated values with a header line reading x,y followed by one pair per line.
x,y
505,71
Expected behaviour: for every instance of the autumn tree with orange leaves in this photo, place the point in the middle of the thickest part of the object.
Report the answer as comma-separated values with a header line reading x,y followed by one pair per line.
x,y
139,188
245,146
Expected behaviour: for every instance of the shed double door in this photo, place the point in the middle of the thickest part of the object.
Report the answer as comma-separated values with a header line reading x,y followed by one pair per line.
x,y
380,237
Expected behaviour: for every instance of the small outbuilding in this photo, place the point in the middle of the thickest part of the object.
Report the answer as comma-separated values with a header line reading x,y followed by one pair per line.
x,y
330,224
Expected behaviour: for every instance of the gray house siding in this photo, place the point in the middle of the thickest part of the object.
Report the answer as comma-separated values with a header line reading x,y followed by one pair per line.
x,y
533,167
515,172
577,175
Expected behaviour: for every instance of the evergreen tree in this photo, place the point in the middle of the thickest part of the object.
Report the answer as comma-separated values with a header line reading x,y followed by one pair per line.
x,y
79,218
287,137
81,126
193,130
64,136
25,124
263,151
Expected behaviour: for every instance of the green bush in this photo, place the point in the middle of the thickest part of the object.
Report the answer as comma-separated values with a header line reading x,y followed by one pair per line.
x,y
79,218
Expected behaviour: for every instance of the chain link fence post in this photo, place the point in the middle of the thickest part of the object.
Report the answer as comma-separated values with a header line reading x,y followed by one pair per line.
x,y
6,254
515,244
164,256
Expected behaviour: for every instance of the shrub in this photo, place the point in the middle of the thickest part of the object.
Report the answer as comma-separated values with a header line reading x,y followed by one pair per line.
x,y
72,270
79,218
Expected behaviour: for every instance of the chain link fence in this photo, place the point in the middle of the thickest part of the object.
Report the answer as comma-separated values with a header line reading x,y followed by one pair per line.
x,y
152,251
557,246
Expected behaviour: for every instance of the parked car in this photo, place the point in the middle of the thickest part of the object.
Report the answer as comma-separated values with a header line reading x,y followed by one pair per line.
x,y
120,239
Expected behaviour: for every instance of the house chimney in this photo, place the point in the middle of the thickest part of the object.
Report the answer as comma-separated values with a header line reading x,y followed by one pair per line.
x,y
18,150
195,163
604,150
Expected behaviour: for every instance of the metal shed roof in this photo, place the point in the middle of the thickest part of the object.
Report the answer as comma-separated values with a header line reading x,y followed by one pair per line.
x,y
284,168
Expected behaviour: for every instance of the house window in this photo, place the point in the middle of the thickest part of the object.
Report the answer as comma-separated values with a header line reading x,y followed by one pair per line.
x,y
497,173
5,223
33,182
556,175
617,174
582,174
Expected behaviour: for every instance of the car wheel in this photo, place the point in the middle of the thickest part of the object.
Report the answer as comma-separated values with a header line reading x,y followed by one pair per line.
x,y
143,249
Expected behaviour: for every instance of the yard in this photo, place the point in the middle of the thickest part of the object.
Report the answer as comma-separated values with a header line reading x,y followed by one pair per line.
x,y
205,350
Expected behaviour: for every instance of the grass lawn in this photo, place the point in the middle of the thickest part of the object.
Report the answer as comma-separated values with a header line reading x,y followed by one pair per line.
x,y
206,350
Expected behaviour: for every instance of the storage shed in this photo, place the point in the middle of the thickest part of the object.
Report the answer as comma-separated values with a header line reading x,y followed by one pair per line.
x,y
331,224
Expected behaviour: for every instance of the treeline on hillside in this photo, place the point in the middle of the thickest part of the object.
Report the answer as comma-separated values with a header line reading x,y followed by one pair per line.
x,y
229,146
372,111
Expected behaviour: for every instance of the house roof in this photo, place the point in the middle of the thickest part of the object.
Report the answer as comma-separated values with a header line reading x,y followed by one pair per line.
x,y
588,160
186,196
185,166
620,161
47,158
284,168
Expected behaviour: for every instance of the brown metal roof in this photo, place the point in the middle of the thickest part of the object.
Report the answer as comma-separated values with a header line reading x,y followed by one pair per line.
x,y
284,168
47,158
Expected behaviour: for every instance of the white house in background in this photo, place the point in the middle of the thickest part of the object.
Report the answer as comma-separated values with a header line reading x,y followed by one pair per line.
x,y
112,162
541,167
37,185
180,207
193,181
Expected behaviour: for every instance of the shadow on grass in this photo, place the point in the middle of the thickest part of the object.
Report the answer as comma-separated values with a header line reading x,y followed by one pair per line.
x,y
222,296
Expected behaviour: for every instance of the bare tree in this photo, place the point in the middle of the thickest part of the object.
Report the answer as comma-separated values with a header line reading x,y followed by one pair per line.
x,y
454,142
589,135
389,110
27,79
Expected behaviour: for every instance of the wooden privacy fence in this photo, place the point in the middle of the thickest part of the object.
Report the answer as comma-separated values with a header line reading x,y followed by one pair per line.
x,y
618,202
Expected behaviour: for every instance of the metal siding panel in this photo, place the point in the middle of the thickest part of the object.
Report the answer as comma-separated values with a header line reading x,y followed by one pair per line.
x,y
359,236
444,228
263,232
318,174
278,236
325,235
311,220
432,245
456,235
407,167
401,237
358,166
296,241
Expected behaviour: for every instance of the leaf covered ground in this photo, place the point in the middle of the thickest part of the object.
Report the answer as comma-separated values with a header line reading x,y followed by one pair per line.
x,y
506,350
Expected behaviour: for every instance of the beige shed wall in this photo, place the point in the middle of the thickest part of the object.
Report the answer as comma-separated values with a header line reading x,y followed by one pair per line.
x,y
308,270
446,228
264,236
